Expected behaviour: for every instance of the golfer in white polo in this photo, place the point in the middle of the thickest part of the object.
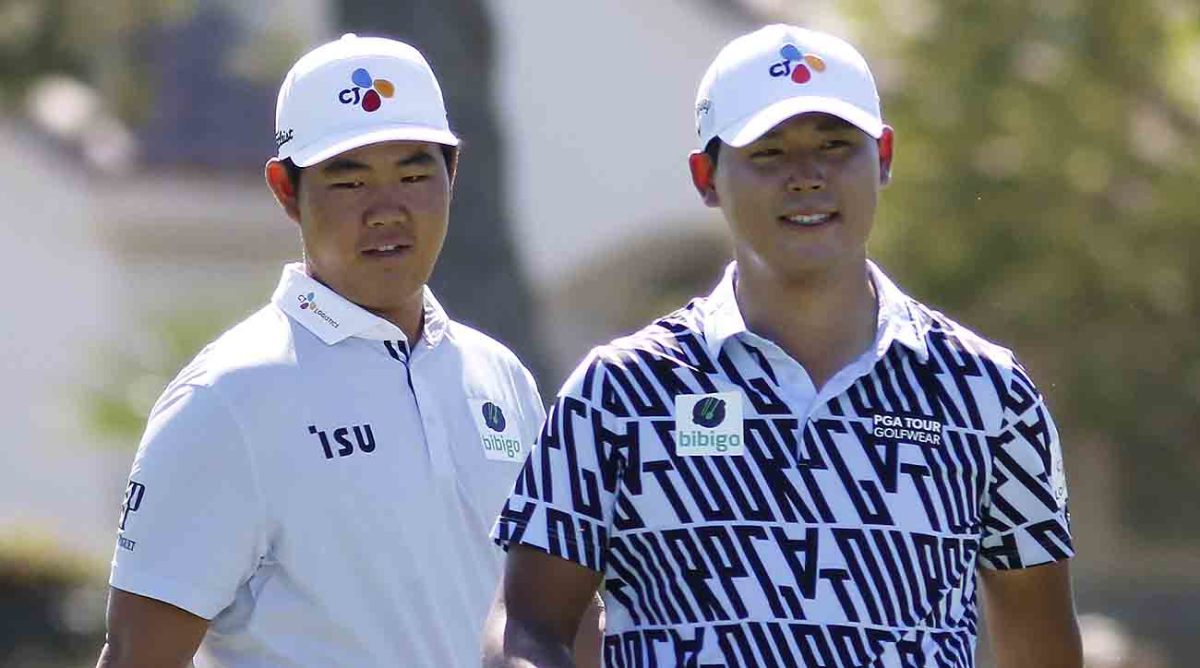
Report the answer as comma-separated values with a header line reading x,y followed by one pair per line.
x,y
316,487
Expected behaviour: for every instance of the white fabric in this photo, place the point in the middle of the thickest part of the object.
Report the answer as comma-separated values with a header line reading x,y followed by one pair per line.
x,y
320,111
749,88
264,503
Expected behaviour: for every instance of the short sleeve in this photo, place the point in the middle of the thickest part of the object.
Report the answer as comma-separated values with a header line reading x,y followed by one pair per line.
x,y
533,411
190,531
564,497
1026,521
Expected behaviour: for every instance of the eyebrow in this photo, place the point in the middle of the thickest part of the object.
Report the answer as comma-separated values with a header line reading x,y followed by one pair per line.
x,y
421,157
342,166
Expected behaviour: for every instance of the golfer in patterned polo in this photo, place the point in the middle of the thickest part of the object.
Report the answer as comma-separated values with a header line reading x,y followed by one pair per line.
x,y
806,467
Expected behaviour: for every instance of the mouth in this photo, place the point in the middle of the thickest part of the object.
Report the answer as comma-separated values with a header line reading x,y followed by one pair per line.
x,y
809,220
386,251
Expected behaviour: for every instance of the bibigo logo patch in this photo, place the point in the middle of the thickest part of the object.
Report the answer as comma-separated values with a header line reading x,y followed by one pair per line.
x,y
709,424
498,435
367,91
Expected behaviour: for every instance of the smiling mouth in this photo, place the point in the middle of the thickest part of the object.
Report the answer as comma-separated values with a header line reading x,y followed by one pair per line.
x,y
813,220
394,250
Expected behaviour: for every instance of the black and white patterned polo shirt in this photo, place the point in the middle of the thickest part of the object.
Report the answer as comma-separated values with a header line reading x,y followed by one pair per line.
x,y
742,517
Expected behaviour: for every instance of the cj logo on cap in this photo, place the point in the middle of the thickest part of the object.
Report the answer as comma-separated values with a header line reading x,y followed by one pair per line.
x,y
806,64
708,424
369,100
493,417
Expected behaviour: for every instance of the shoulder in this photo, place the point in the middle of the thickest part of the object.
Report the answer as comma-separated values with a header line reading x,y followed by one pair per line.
x,y
961,352
489,362
472,342
670,338
674,340
948,335
254,351
480,348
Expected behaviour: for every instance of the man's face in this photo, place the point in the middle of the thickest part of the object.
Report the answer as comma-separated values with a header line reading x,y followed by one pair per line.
x,y
373,220
801,199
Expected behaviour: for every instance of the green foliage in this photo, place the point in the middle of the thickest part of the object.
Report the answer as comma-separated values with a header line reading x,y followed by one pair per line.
x,y
134,376
1045,192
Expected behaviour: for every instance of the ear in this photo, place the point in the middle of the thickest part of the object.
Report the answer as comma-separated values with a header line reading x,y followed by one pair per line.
x,y
703,170
282,188
887,149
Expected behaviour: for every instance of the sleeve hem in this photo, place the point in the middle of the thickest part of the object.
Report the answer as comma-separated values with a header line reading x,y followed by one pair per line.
x,y
203,604
507,543
1051,559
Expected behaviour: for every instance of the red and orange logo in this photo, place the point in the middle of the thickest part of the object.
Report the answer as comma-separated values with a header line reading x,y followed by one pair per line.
x,y
367,91
805,64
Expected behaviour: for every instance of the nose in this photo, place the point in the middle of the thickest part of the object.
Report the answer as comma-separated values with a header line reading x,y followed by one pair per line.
x,y
806,175
388,208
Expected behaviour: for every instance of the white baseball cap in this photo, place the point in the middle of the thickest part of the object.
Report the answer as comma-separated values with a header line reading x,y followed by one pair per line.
x,y
357,91
761,79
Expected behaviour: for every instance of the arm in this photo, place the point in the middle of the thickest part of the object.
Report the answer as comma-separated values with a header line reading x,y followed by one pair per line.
x,y
589,637
1031,617
189,532
537,611
144,632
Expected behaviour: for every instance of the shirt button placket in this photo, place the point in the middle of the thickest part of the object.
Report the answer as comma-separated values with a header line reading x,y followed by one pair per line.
x,y
434,425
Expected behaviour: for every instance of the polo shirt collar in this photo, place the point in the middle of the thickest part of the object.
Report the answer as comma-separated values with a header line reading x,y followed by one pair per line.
x,y
333,318
898,321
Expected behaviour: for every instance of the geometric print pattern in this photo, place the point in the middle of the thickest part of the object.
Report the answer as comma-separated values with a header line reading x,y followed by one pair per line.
x,y
847,532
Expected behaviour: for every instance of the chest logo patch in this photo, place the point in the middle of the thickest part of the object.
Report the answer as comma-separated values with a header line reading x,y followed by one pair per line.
x,y
498,434
895,427
709,424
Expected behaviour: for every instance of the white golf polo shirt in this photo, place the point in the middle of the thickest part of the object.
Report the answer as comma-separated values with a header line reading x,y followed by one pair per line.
x,y
322,491
742,517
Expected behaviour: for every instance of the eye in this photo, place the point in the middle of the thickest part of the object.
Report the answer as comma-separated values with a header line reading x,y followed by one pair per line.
x,y
353,184
766,153
415,178
834,144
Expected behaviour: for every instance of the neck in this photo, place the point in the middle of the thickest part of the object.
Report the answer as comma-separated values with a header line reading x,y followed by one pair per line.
x,y
409,316
824,320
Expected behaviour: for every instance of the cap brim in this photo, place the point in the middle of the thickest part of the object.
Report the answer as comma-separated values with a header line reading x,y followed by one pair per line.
x,y
750,128
310,155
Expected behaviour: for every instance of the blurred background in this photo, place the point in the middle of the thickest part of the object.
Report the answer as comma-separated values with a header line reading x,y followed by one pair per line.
x,y
1045,193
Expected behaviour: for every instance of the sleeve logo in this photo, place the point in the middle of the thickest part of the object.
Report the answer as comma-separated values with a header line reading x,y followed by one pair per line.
x,y
133,500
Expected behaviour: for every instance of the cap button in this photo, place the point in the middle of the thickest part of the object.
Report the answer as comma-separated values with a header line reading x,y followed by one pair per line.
x,y
349,35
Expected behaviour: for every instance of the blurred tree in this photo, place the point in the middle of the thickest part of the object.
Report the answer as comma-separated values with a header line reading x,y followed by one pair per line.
x,y
478,276
51,601
1045,192
91,41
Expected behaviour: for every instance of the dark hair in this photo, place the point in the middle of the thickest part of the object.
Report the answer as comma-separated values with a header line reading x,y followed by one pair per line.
x,y
713,150
450,153
293,173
